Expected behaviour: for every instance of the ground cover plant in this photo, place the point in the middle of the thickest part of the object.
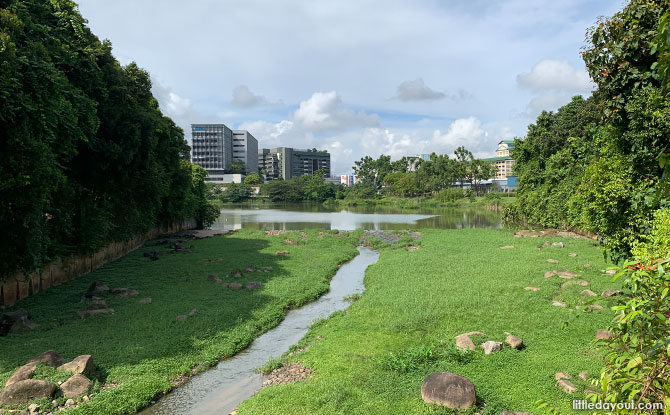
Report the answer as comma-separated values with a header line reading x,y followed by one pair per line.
x,y
142,349
373,357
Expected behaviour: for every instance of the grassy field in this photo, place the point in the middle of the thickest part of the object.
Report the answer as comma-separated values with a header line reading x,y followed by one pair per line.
x,y
141,349
372,358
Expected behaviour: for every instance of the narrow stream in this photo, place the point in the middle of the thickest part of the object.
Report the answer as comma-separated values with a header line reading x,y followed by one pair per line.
x,y
220,390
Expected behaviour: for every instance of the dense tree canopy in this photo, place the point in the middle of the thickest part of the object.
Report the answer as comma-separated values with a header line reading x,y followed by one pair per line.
x,y
87,156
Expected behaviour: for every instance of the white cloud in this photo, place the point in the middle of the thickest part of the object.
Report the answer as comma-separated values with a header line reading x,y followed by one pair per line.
x,y
417,90
548,75
244,98
323,111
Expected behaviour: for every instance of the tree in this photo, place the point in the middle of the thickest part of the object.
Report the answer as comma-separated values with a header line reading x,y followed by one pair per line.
x,y
238,167
252,179
463,159
480,170
371,171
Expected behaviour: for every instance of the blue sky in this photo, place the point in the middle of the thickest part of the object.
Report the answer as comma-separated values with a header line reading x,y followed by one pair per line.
x,y
357,77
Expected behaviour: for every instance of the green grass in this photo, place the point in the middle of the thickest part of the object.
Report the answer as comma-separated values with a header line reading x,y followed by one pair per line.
x,y
142,349
372,358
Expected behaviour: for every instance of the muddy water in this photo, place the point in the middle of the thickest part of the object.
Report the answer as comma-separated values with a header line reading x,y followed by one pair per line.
x,y
220,390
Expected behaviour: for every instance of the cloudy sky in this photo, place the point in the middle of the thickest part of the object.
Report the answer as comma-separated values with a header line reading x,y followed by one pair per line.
x,y
357,77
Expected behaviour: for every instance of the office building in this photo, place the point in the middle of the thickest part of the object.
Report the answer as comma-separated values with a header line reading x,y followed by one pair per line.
x,y
286,162
245,149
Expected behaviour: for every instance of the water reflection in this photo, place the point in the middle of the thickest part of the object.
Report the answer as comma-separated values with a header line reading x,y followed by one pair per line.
x,y
304,216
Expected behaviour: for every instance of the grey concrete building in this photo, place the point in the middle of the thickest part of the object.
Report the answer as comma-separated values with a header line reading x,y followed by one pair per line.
x,y
286,162
245,149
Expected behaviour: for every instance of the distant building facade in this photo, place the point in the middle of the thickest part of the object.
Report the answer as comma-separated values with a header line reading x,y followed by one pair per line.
x,y
245,149
504,177
215,146
287,162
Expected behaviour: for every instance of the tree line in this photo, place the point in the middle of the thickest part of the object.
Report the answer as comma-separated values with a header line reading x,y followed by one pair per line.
x,y
87,156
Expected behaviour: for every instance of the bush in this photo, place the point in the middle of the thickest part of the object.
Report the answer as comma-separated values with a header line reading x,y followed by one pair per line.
x,y
450,195
657,244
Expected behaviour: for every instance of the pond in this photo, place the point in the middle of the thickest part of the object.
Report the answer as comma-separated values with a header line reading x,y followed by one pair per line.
x,y
304,216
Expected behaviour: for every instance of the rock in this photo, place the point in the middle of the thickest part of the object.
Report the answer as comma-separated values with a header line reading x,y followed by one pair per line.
x,y
448,389
588,266
96,288
562,375
235,285
14,321
464,342
282,253
215,278
588,392
514,342
79,365
85,398
181,318
531,289
26,371
553,261
558,304
146,300
92,313
611,293
25,391
49,358
97,304
133,293
589,293
267,269
595,307
236,273
565,274
567,386
253,284
572,254
288,241
193,313
70,403
491,347
33,409
290,372
583,375
76,386
249,269
604,335
413,248
558,244
611,272
580,282
507,247
528,234
549,274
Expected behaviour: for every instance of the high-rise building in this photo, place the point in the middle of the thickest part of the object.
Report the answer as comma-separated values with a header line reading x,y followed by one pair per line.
x,y
215,146
212,147
286,162
245,149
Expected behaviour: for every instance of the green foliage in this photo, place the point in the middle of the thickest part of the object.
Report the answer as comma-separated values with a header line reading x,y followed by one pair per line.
x,y
236,192
372,172
90,158
273,363
238,167
657,244
450,195
283,191
638,358
418,357
252,179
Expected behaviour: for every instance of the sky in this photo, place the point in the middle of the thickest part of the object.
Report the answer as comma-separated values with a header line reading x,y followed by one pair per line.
x,y
357,77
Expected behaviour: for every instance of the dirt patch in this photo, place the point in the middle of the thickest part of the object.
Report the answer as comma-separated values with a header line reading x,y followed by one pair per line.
x,y
290,372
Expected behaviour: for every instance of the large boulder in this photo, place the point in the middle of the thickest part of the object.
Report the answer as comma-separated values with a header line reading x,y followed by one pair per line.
x,y
15,320
24,372
77,385
25,391
80,364
49,358
448,389
464,342
514,342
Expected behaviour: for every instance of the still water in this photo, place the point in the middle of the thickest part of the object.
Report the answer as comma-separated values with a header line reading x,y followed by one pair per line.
x,y
220,390
303,216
